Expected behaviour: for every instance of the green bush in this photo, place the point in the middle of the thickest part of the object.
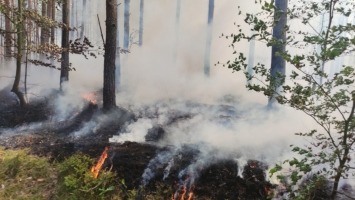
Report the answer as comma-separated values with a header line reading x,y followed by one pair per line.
x,y
75,180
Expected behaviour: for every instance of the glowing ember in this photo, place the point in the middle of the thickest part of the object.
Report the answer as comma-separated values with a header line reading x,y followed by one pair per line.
x,y
91,97
95,170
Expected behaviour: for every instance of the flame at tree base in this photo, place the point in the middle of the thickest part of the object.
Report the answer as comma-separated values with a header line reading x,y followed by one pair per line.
x,y
90,97
95,170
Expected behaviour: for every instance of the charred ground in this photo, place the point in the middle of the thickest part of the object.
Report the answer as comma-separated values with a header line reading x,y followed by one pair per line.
x,y
219,179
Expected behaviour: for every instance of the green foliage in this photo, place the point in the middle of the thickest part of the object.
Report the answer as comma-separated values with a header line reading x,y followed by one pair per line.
x,y
76,181
23,176
329,101
314,186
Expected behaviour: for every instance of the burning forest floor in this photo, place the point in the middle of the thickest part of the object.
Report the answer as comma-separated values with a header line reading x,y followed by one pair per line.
x,y
153,170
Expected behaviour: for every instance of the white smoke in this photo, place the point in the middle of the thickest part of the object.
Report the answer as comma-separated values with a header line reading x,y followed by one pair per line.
x,y
156,87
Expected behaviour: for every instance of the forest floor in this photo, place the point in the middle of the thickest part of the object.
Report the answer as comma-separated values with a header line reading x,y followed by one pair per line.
x,y
219,180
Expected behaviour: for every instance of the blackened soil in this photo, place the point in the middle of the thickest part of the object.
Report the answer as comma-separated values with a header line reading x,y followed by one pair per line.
x,y
218,180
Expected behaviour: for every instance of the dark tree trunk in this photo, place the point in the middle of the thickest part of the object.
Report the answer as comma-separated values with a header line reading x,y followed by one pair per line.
x,y
20,47
109,95
52,8
209,38
64,71
126,23
278,63
44,30
141,17
8,37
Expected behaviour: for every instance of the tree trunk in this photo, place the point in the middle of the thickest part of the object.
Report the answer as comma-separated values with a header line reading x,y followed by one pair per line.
x,y
141,17
177,25
82,32
20,47
37,37
209,38
278,64
126,23
109,96
52,8
64,71
251,57
29,27
44,30
118,56
8,37
50,16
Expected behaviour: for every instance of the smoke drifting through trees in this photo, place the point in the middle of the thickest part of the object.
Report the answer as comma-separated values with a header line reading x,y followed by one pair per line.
x,y
148,77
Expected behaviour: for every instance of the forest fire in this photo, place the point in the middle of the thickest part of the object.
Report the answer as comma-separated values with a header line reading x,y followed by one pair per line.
x,y
95,170
90,97
180,194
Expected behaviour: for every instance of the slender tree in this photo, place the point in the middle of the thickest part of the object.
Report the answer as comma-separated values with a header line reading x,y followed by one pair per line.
x,y
109,95
209,38
126,23
251,58
141,17
83,20
278,63
177,25
50,16
118,56
53,13
44,30
20,28
64,72
8,37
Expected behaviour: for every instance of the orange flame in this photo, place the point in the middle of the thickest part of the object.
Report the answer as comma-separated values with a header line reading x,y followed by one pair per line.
x,y
91,97
182,193
191,195
95,170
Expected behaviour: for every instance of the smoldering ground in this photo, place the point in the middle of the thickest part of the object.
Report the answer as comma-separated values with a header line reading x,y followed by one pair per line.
x,y
220,119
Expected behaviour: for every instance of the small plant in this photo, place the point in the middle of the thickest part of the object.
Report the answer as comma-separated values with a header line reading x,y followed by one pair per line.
x,y
77,182
314,187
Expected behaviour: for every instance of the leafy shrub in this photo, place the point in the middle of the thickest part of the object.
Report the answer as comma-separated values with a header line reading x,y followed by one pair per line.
x,y
75,180
315,187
